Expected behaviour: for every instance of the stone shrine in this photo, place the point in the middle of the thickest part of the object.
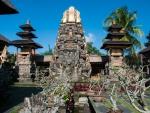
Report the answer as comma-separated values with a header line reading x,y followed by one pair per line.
x,y
70,50
114,45
25,59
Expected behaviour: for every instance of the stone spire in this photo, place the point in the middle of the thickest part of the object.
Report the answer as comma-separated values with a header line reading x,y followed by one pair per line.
x,y
70,50
71,15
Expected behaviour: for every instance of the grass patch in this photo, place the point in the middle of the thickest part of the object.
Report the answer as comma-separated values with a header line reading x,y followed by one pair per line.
x,y
14,109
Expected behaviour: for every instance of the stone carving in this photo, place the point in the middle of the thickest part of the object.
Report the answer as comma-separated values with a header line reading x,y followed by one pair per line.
x,y
70,49
71,15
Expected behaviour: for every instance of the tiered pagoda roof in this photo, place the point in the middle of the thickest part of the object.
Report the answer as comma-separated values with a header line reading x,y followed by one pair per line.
x,y
114,38
3,39
27,37
146,52
6,7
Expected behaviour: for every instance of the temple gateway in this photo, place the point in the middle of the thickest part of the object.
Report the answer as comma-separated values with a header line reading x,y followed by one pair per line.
x,y
70,51
25,58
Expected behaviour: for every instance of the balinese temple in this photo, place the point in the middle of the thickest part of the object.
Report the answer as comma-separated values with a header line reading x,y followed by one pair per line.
x,y
70,49
25,58
5,8
114,46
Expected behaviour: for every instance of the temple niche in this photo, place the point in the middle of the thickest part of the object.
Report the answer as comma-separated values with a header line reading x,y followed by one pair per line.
x,y
70,50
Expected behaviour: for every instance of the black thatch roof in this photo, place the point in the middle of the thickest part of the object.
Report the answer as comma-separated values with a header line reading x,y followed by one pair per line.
x,y
3,39
27,27
146,50
114,26
6,7
26,34
118,35
116,44
27,43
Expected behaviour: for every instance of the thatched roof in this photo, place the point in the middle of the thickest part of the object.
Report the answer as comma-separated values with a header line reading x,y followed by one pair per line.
x,y
27,27
26,34
145,51
7,8
114,26
27,43
3,39
111,35
120,44
43,58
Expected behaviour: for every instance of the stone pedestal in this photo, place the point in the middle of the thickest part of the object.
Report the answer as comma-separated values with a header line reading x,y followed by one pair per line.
x,y
116,58
25,66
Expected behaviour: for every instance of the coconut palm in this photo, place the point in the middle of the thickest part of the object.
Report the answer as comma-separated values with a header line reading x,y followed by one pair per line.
x,y
91,49
127,20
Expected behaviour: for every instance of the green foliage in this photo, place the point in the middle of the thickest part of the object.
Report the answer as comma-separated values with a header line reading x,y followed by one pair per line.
x,y
91,49
127,20
66,98
132,60
48,52
11,58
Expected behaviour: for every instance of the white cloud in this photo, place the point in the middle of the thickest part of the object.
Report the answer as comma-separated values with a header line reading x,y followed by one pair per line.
x,y
89,37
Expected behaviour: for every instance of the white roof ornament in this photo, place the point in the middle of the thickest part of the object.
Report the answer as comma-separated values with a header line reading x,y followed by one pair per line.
x,y
28,21
71,15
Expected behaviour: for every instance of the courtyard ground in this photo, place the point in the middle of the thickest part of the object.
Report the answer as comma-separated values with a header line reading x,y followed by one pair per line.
x,y
15,95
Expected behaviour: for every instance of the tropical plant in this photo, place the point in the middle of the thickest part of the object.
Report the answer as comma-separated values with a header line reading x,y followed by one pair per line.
x,y
48,52
133,82
91,49
11,58
127,20
130,85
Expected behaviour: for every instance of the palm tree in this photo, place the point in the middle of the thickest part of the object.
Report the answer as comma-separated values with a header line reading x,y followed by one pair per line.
x,y
127,20
91,49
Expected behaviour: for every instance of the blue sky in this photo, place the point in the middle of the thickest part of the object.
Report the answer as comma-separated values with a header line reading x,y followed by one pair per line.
x,y
45,16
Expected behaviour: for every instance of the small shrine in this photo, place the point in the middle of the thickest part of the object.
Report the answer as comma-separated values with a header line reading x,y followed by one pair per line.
x,y
25,58
114,45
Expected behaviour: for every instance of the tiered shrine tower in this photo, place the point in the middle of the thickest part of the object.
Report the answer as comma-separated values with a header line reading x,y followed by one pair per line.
x,y
25,58
114,44
70,48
